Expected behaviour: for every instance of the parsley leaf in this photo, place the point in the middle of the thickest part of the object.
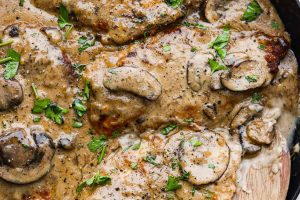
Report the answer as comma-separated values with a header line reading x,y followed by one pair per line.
x,y
251,78
189,120
197,25
166,47
40,105
136,146
78,68
85,43
211,166
174,3
253,11
76,123
64,21
195,142
256,98
98,144
221,42
215,66
262,47
21,3
86,90
166,130
134,165
275,25
172,184
2,44
79,108
151,159
97,179
55,113
12,64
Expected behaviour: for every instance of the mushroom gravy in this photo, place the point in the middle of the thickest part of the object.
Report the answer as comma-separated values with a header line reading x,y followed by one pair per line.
x,y
143,99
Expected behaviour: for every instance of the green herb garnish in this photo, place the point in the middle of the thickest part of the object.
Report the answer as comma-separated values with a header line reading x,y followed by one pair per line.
x,y
97,179
87,90
151,159
98,145
21,3
64,21
85,43
79,107
251,78
262,47
174,3
166,47
195,142
215,66
211,166
221,42
197,25
172,184
12,62
134,165
55,113
76,123
6,43
253,12
256,98
275,25
166,130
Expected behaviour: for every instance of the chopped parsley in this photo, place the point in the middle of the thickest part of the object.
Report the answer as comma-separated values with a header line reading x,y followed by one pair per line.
x,y
97,179
275,25
87,90
151,159
76,123
195,142
253,12
115,134
196,25
134,165
221,42
215,66
174,3
64,21
172,184
36,119
78,68
136,146
2,44
256,98
21,3
262,47
12,62
194,49
79,108
189,120
193,191
211,166
52,111
166,47
251,78
174,164
98,145
184,175
85,42
166,130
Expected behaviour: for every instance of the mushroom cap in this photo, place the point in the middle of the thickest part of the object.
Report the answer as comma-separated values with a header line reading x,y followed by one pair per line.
x,y
206,162
25,157
134,80
239,77
11,93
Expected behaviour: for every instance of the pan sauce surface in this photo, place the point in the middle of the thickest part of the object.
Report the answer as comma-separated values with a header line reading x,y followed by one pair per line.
x,y
144,87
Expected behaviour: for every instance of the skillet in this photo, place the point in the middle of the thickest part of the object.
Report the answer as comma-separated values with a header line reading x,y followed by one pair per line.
x,y
289,11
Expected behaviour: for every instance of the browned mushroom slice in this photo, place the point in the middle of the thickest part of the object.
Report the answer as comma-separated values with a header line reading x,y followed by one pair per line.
x,y
205,155
24,157
248,146
11,93
248,75
133,80
259,131
245,114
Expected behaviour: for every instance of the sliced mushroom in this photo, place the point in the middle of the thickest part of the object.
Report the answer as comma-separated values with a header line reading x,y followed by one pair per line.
x,y
205,155
245,114
260,131
197,71
248,75
133,80
66,141
249,148
11,93
210,110
25,157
